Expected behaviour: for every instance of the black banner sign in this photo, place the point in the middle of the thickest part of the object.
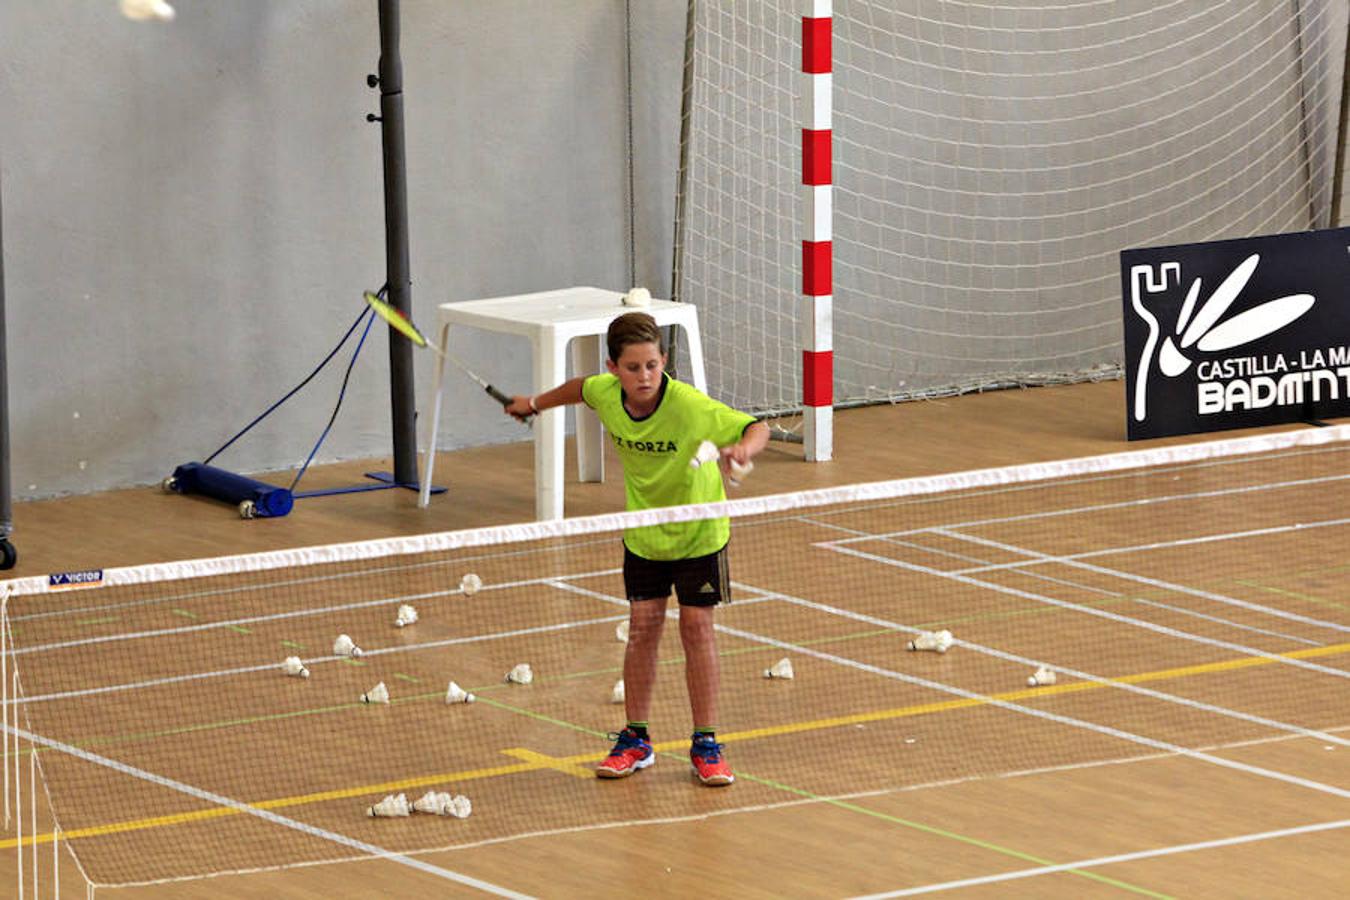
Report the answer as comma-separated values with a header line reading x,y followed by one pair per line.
x,y
1234,334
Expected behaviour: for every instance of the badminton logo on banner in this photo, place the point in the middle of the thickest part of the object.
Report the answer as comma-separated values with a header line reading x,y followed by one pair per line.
x,y
1236,334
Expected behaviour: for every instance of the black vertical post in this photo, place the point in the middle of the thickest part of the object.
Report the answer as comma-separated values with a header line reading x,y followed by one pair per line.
x,y
397,267
7,554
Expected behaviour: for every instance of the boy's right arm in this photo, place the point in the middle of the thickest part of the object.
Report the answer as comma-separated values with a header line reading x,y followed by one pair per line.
x,y
523,406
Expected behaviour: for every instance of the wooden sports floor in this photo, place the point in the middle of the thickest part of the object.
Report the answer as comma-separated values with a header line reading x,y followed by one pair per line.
x,y
1196,742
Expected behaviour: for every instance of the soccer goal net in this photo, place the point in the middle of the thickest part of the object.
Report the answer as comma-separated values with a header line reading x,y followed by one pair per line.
x,y
990,161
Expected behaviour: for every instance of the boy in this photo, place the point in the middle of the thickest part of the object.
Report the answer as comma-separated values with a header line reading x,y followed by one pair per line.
x,y
656,424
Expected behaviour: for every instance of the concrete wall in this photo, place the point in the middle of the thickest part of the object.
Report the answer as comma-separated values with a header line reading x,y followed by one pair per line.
x,y
192,210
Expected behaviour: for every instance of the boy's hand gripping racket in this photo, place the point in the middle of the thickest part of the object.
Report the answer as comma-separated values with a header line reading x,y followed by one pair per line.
x,y
404,326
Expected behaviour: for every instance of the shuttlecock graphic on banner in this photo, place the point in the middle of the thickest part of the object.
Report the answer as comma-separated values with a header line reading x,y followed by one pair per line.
x,y
1043,675
707,452
520,674
617,695
293,667
937,641
344,646
378,694
621,632
638,296
456,694
470,584
391,807
146,10
780,669
406,615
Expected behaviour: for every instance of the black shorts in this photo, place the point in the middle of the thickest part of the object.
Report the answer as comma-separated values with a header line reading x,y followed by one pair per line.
x,y
699,581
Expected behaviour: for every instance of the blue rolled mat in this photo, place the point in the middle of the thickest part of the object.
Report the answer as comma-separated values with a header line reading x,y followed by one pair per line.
x,y
269,501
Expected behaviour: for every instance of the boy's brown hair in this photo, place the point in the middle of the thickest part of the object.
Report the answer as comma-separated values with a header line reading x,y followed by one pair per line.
x,y
632,328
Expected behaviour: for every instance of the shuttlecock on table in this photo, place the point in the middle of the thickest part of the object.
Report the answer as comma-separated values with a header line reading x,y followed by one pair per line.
x,y
293,667
621,632
470,583
406,615
520,674
1043,675
707,452
617,695
391,807
378,694
938,641
344,646
638,296
780,669
144,10
456,694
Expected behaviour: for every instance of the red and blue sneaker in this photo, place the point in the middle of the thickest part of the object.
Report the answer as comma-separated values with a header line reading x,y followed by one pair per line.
x,y
705,754
630,753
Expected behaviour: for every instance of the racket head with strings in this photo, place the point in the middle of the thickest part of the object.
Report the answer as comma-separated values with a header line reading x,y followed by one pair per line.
x,y
396,319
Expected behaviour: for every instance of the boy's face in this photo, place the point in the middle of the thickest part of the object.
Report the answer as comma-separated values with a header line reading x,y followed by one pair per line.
x,y
639,369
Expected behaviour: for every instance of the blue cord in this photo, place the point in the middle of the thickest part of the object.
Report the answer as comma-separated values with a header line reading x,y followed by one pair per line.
x,y
341,394
296,389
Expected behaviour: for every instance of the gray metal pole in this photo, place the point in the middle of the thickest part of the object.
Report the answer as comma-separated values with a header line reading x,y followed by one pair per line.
x,y
8,556
397,267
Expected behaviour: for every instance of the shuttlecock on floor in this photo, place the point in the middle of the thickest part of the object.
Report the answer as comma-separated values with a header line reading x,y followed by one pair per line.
x,y
638,296
457,806
378,694
520,674
432,802
621,632
780,669
293,667
456,694
344,646
470,583
1043,675
406,615
938,641
391,807
617,695
707,452
144,10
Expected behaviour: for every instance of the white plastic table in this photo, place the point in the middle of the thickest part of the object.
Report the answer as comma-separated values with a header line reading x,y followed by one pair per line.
x,y
551,319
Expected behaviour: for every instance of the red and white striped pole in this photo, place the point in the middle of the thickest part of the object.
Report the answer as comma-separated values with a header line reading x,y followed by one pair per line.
x,y
817,313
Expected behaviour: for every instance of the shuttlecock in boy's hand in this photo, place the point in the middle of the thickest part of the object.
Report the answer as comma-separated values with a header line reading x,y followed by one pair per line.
x,y
293,667
707,452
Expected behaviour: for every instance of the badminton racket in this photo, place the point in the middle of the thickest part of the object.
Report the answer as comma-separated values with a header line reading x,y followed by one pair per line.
x,y
402,324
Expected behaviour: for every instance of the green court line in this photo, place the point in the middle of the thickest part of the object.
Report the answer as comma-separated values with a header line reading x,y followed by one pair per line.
x,y
239,628
951,835
401,677
184,613
293,645
102,621
1318,601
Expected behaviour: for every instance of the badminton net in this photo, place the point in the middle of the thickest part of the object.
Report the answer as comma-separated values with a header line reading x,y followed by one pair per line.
x,y
1172,600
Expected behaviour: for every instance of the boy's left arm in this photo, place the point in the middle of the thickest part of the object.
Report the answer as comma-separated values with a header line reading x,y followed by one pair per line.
x,y
753,439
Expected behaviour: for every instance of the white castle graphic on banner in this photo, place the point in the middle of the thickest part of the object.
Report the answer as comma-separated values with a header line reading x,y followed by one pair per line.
x,y
1236,382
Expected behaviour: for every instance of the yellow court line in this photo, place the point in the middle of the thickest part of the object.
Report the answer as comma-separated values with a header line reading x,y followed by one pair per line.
x,y
534,762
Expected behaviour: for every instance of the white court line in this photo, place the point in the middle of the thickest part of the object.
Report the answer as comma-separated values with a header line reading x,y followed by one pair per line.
x,y
1073,561
264,814
222,673
1100,613
1227,712
1111,860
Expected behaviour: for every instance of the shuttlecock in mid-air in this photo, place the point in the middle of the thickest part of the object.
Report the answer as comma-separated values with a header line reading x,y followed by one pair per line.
x,y
456,694
617,695
406,615
145,10
1043,675
707,452
391,807
293,667
344,646
638,296
621,632
470,583
378,694
520,674
780,669
937,641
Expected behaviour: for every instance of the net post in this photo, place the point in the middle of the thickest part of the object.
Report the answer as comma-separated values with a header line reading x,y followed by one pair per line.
x,y
816,315
4,689
18,788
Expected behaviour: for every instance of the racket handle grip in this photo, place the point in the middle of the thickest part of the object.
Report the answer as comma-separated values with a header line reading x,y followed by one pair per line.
x,y
497,395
